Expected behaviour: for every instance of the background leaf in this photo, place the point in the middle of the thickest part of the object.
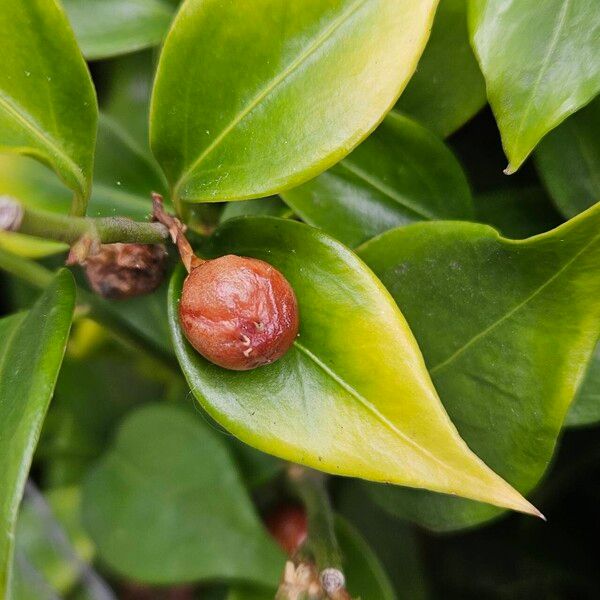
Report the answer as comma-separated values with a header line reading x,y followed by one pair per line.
x,y
166,505
365,576
400,174
540,64
447,88
585,409
109,27
517,212
568,161
30,358
505,327
232,131
47,100
352,396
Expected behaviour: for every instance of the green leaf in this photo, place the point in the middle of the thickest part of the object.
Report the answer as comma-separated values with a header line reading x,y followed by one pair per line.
x,y
252,99
81,418
352,396
517,212
505,327
47,101
365,576
126,96
400,174
447,88
166,505
272,207
540,62
585,409
31,353
110,27
568,161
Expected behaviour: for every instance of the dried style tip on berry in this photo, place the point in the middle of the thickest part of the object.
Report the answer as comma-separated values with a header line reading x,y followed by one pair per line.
x,y
120,271
288,525
238,312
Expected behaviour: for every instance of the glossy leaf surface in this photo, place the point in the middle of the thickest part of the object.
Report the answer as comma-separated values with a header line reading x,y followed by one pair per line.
x,y
489,314
47,100
568,161
250,99
400,174
31,353
352,395
585,409
109,27
167,505
540,62
447,88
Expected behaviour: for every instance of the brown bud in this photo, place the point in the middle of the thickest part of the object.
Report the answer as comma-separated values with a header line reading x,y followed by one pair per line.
x,y
239,313
120,271
288,525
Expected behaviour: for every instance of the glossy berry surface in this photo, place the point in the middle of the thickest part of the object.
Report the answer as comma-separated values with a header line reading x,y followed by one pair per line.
x,y
288,526
239,313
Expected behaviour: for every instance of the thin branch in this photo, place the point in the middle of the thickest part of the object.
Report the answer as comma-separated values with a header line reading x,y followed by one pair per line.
x,y
14,216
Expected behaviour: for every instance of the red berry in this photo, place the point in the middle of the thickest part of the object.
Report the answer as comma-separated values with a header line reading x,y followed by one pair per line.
x,y
239,313
288,526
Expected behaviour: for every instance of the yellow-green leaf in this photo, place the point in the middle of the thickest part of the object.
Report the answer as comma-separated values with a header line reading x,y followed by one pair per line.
x,y
352,396
253,98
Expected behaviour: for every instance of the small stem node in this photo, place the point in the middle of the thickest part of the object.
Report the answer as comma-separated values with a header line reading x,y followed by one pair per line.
x,y
176,230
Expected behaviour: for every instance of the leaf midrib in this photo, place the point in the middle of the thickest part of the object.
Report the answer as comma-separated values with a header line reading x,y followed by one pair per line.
x,y
379,415
512,311
30,125
551,49
320,39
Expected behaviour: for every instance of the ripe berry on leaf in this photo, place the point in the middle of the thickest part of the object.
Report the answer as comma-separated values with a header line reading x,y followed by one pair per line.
x,y
239,313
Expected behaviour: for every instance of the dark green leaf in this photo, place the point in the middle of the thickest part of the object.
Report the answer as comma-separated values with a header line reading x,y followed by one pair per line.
x,y
447,88
352,396
31,353
568,161
110,27
166,505
251,99
517,212
505,327
540,62
400,174
585,409
365,577
272,207
47,101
